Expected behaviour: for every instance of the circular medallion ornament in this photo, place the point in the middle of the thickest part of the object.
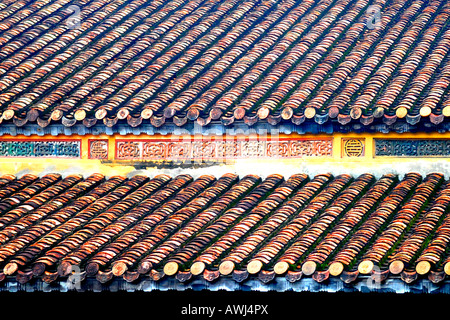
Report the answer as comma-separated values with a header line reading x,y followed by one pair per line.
x,y
353,148
98,149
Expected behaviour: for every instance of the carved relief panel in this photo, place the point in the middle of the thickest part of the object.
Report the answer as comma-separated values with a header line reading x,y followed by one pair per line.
x,y
217,149
40,148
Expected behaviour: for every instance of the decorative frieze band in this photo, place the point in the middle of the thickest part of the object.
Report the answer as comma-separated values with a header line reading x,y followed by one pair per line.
x,y
412,147
40,148
217,149
201,149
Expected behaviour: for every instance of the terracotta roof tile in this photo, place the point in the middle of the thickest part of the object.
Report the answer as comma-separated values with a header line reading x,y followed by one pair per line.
x,y
228,226
135,62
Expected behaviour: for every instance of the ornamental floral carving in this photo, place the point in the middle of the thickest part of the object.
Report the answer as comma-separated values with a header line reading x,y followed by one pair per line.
x,y
217,149
40,148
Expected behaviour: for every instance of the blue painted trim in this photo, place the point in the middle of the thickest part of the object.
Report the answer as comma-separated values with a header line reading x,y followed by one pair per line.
x,y
218,128
279,284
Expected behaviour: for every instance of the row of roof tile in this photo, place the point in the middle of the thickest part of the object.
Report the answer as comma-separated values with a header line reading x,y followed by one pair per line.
x,y
224,60
235,227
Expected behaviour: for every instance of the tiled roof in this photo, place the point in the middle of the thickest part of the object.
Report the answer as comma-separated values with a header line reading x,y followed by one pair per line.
x,y
224,61
325,227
